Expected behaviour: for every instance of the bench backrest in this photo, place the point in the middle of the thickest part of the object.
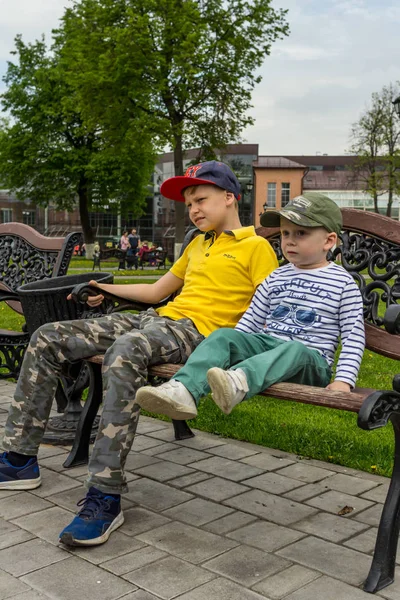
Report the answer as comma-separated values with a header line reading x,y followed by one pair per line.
x,y
369,249
26,256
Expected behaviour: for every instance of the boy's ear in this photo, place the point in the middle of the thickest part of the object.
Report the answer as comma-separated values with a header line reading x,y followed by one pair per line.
x,y
230,198
331,239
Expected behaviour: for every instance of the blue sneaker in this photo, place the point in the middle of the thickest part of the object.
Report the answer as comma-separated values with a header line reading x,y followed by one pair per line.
x,y
100,516
19,478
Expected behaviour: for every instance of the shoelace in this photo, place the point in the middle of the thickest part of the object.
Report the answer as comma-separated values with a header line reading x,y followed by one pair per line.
x,y
174,383
92,505
5,461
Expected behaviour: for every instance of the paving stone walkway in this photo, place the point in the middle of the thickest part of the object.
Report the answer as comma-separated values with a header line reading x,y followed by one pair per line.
x,y
205,519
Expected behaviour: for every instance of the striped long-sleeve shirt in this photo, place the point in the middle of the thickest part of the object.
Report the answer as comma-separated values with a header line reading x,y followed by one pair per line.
x,y
316,307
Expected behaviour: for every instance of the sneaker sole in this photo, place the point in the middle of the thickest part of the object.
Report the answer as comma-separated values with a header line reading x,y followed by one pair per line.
x,y
165,406
21,484
68,540
220,389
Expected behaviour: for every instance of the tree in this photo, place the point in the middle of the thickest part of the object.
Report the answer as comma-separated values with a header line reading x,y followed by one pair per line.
x,y
48,153
189,66
375,141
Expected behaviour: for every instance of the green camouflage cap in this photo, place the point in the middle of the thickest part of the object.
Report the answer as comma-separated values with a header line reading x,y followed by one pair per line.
x,y
308,210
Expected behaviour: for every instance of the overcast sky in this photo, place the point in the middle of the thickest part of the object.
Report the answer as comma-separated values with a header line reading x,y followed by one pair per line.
x,y
316,82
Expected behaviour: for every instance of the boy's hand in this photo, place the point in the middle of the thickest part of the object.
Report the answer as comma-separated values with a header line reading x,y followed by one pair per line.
x,y
339,386
92,301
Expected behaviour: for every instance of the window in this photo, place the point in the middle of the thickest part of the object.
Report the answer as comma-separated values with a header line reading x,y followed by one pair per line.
x,y
285,194
29,217
271,195
316,167
6,215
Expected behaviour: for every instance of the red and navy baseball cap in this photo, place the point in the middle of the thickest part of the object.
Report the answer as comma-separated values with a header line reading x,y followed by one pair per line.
x,y
206,173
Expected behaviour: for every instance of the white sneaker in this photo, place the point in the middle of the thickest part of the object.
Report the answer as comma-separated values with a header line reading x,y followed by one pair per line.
x,y
228,387
171,399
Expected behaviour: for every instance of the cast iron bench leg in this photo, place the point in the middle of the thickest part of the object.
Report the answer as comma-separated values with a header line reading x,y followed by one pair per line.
x,y
383,564
79,454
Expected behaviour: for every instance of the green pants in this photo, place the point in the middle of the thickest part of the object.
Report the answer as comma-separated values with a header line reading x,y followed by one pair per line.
x,y
264,359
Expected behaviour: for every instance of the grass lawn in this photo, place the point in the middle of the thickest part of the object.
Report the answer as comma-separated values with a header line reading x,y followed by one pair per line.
x,y
110,265
309,431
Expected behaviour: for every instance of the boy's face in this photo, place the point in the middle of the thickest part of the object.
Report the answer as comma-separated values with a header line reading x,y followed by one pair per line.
x,y
306,247
208,206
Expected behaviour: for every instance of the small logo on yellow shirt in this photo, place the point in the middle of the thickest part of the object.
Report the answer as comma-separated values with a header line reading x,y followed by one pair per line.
x,y
229,256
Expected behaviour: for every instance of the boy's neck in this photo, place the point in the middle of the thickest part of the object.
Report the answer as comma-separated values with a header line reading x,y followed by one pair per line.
x,y
320,265
229,225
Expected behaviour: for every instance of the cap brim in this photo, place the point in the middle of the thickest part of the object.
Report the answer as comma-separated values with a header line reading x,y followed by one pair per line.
x,y
270,218
173,188
273,219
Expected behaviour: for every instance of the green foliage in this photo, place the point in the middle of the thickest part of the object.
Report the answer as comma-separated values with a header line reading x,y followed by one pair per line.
x,y
189,66
50,153
123,79
375,140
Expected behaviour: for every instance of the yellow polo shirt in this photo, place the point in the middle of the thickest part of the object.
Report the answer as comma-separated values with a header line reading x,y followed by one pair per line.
x,y
220,278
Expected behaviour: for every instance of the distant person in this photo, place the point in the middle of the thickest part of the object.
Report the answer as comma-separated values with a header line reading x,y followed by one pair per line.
x,y
152,255
96,256
132,253
123,246
143,251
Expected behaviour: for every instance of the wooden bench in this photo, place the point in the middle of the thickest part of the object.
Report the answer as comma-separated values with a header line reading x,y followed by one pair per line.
x,y
26,256
370,251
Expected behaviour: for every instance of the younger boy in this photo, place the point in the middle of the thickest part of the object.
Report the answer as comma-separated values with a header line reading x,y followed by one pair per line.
x,y
290,331
229,261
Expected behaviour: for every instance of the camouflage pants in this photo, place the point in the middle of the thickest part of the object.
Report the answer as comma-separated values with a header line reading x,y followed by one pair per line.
x,y
131,344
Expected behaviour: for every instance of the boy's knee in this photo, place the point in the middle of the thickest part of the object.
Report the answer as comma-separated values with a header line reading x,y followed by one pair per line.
x,y
125,348
225,333
44,333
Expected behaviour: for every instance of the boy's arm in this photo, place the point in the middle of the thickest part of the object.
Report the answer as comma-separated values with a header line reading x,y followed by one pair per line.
x,y
253,320
353,339
151,293
263,262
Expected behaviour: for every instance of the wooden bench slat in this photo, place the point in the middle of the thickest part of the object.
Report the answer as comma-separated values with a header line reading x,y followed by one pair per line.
x,y
307,394
380,341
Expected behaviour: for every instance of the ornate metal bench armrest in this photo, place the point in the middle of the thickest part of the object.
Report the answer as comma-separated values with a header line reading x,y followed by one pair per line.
x,y
8,295
391,320
81,292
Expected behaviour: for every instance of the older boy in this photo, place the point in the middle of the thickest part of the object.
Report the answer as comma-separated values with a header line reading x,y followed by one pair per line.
x,y
290,331
227,262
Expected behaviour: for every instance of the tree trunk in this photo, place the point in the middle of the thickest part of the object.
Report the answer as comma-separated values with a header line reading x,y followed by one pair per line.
x,y
376,209
83,195
390,202
180,208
